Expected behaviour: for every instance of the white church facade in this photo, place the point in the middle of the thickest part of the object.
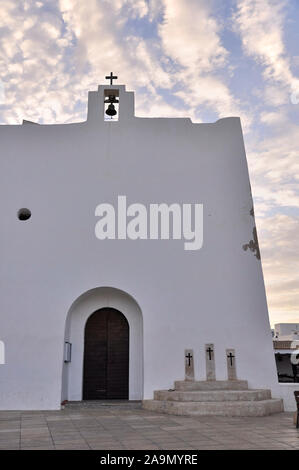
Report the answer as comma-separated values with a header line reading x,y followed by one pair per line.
x,y
103,290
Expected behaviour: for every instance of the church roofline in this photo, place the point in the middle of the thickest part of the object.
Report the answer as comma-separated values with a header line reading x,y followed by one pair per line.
x,y
95,110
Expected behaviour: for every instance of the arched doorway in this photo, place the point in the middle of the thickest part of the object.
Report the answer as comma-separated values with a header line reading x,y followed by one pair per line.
x,y
106,356
80,311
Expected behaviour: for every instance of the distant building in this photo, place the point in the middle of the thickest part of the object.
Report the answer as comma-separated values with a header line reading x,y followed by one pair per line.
x,y
286,342
286,331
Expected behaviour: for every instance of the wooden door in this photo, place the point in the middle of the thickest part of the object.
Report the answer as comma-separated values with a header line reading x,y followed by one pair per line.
x,y
106,356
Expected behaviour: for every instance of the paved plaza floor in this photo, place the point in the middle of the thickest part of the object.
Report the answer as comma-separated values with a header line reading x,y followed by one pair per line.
x,y
114,427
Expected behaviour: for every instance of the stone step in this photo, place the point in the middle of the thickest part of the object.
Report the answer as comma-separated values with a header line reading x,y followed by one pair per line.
x,y
211,385
213,395
220,408
98,404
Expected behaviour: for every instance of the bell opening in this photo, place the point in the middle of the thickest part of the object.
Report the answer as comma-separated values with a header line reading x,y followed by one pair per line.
x,y
111,105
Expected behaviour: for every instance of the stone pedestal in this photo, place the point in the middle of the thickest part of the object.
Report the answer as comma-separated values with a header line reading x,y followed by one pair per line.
x,y
210,362
189,364
231,364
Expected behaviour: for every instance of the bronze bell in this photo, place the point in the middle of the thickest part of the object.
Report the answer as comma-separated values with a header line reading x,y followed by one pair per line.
x,y
111,111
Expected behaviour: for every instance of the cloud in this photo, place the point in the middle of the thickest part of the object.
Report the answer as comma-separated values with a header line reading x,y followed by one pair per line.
x,y
191,37
192,43
279,244
261,26
273,117
274,170
33,67
103,43
57,50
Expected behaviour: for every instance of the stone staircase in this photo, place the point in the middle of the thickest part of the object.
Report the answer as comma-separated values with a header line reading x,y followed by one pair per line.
x,y
219,398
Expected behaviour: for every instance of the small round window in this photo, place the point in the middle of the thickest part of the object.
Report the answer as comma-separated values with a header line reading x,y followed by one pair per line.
x,y
24,214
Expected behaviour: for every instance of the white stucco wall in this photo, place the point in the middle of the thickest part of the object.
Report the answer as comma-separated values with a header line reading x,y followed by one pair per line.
x,y
187,298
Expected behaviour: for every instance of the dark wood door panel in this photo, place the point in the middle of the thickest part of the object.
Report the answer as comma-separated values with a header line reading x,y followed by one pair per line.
x,y
106,356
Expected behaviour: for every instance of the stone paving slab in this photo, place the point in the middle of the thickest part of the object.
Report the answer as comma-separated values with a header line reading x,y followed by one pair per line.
x,y
121,428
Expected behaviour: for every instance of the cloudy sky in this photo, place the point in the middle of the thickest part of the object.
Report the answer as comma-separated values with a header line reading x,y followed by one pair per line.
x,y
200,58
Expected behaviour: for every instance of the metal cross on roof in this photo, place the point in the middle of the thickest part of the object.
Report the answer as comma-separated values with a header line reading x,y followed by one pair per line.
x,y
111,77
